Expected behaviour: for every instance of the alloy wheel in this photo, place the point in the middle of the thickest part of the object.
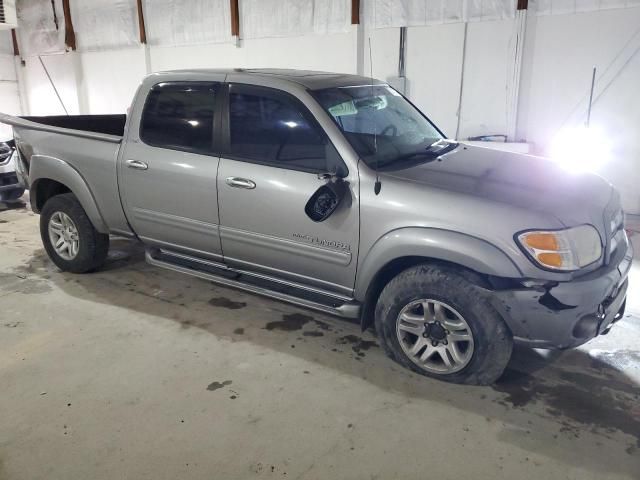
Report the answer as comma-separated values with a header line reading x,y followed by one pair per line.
x,y
435,336
64,236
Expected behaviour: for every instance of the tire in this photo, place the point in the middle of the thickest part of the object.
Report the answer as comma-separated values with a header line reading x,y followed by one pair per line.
x,y
471,334
91,246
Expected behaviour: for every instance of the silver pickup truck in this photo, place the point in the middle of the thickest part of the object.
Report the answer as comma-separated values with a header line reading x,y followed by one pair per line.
x,y
335,193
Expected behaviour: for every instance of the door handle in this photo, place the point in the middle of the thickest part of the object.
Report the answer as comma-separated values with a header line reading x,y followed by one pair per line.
x,y
137,164
238,182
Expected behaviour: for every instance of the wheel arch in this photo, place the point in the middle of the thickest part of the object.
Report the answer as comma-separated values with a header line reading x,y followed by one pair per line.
x,y
479,261
51,176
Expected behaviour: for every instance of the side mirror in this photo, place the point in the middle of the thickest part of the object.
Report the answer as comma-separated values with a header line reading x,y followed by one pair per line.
x,y
325,200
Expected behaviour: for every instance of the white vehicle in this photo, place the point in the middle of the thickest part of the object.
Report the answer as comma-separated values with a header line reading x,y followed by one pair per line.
x,y
11,187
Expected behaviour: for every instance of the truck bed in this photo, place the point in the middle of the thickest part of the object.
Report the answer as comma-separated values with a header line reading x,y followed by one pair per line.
x,y
107,124
107,128
80,148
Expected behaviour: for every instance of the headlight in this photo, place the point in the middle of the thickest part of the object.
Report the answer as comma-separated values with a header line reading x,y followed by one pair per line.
x,y
563,250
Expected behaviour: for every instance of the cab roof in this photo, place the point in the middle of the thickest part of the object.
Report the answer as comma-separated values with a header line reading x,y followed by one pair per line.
x,y
309,79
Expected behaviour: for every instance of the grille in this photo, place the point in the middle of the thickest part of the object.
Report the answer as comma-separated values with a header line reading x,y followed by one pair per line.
x,y
616,227
3,18
616,222
8,179
5,153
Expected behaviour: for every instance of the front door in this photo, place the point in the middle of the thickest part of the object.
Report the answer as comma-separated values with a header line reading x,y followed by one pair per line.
x,y
168,170
275,153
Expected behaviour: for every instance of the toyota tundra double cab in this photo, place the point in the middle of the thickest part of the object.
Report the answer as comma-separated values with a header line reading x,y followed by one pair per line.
x,y
335,193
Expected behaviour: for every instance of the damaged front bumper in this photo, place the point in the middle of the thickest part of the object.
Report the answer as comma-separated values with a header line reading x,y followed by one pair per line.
x,y
568,314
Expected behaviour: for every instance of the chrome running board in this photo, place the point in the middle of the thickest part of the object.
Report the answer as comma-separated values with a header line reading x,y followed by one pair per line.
x,y
258,284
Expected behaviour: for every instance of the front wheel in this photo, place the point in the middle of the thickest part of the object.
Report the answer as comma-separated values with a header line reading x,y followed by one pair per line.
x,y
436,322
69,237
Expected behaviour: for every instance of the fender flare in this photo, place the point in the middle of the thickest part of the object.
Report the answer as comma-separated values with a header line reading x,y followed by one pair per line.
x,y
43,167
455,247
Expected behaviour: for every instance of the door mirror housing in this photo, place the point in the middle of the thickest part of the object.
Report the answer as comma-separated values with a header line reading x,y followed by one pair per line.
x,y
326,200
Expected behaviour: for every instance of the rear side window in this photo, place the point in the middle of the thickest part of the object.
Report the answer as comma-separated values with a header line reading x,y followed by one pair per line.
x,y
179,116
271,127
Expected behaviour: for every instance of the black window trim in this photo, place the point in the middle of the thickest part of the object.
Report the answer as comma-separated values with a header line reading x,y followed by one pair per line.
x,y
225,127
217,105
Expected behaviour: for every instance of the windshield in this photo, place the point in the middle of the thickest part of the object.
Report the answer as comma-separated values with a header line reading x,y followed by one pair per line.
x,y
380,124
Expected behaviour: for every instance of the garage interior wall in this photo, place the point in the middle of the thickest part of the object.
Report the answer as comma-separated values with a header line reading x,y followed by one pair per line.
x,y
9,93
460,59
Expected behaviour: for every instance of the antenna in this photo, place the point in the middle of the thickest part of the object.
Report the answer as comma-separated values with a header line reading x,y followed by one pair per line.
x,y
593,83
53,85
378,185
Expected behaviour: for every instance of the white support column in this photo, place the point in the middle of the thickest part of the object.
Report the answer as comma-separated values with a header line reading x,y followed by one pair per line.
x,y
361,47
513,80
22,91
81,87
147,58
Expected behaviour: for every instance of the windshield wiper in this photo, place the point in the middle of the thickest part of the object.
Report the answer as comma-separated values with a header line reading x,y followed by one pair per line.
x,y
433,151
442,146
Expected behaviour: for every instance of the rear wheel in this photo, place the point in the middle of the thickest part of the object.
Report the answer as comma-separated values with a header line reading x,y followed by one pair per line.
x,y
69,237
436,322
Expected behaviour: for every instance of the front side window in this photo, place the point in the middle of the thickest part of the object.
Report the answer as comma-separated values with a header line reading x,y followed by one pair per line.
x,y
179,116
270,127
380,124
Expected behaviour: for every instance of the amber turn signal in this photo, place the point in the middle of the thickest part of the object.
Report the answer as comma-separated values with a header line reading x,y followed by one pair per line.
x,y
542,241
550,259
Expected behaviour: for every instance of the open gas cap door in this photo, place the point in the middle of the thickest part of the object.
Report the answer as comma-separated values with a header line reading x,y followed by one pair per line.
x,y
326,200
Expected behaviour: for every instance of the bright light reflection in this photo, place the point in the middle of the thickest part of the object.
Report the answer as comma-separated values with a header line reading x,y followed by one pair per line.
x,y
291,124
193,123
581,149
279,184
183,165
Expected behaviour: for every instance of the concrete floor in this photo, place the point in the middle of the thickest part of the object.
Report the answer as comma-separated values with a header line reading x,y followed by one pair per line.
x,y
136,372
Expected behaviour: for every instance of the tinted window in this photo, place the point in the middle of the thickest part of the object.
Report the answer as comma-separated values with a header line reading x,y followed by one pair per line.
x,y
270,127
179,116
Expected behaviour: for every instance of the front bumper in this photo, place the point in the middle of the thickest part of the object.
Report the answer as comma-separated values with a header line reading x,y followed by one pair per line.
x,y
9,179
570,313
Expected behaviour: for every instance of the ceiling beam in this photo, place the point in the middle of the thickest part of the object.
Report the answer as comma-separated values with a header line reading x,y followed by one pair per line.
x,y
235,18
14,39
141,26
355,12
69,33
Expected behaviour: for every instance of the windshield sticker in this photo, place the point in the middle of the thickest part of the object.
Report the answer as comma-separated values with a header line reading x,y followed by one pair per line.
x,y
343,109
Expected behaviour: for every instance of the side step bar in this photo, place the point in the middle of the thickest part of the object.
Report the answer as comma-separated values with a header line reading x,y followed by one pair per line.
x,y
257,284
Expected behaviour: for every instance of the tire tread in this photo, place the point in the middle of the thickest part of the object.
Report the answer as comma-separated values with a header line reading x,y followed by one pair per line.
x,y
493,342
94,246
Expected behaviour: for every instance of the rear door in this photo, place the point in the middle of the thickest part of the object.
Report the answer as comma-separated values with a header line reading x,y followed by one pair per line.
x,y
274,154
168,170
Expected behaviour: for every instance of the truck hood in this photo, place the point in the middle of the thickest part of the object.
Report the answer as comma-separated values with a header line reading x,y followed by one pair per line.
x,y
523,181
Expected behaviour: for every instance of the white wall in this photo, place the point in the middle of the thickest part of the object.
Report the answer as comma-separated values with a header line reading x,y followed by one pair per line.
x,y
110,78
560,52
9,94
488,58
434,70
331,52
105,81
41,95
469,97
